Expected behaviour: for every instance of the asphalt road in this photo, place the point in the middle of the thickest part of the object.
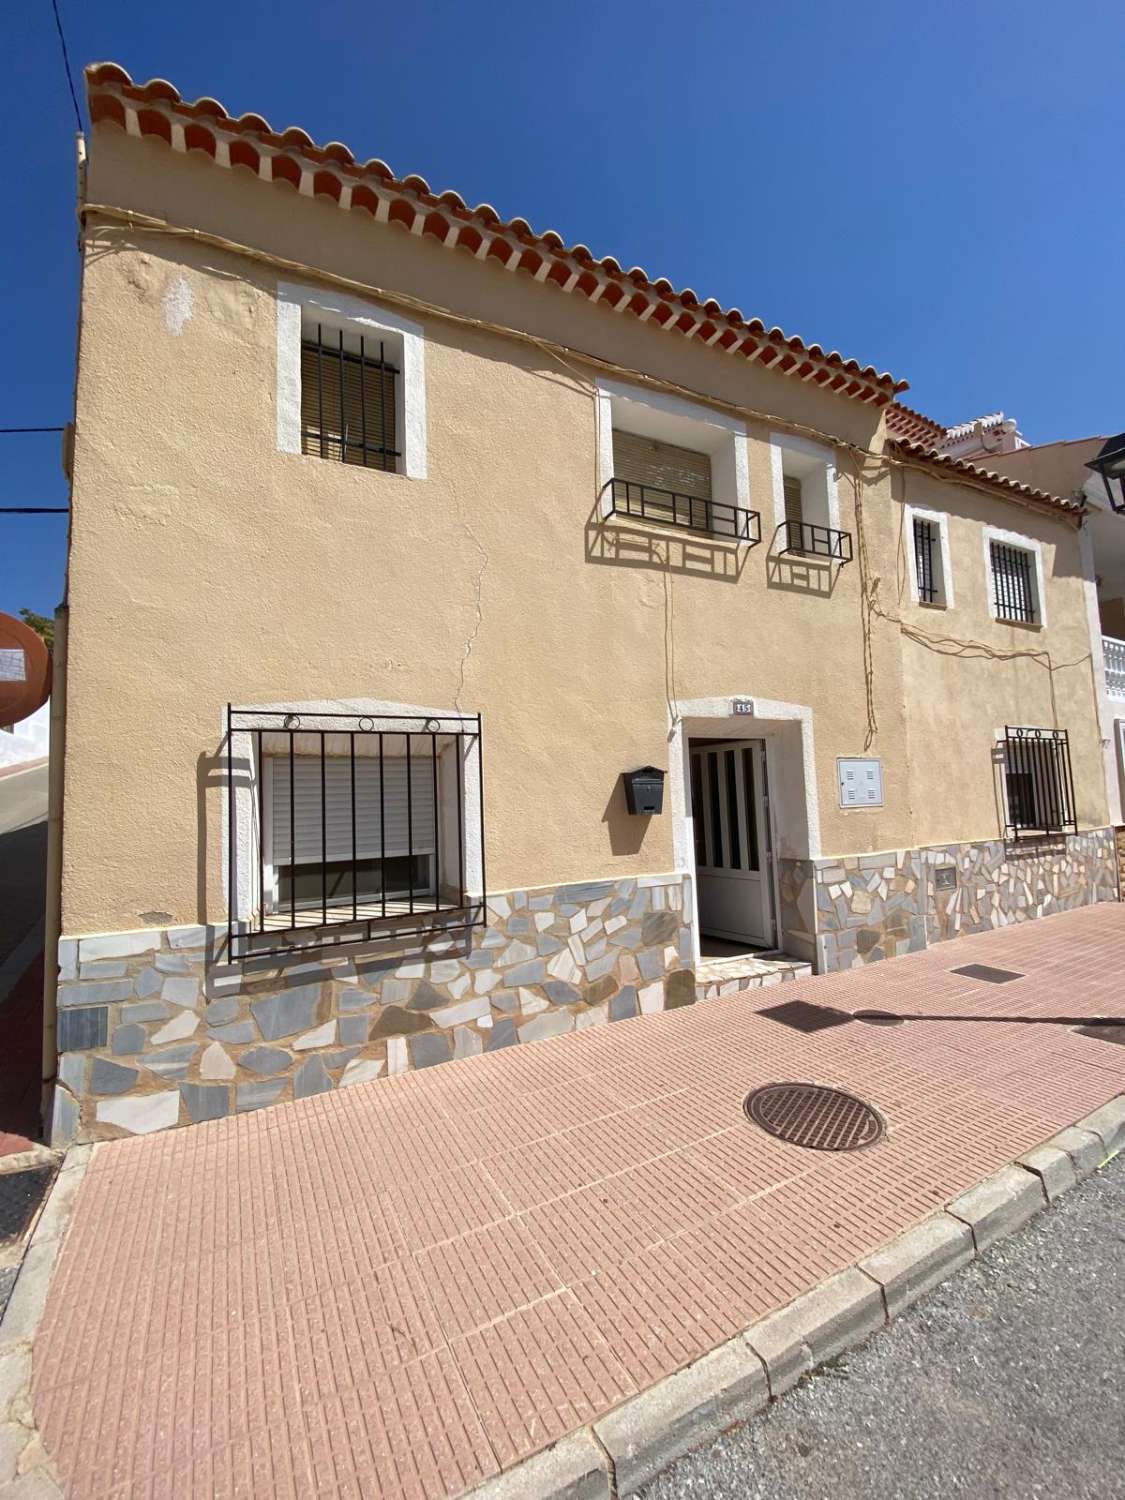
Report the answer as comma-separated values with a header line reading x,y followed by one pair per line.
x,y
1006,1381
23,854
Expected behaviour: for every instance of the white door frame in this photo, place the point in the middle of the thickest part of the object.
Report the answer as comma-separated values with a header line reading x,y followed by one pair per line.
x,y
794,806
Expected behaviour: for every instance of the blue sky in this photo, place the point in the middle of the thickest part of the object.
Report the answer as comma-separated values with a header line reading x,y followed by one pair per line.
x,y
933,189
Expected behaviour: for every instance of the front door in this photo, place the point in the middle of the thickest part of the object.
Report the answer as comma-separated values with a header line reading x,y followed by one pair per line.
x,y
731,849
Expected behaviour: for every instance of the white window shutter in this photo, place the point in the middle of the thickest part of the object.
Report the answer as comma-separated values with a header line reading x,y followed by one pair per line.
x,y
337,841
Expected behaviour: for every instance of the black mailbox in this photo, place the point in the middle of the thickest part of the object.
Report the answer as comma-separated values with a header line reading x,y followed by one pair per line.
x,y
644,790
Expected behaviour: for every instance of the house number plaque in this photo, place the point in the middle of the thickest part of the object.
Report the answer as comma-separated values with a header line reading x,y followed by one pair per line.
x,y
742,705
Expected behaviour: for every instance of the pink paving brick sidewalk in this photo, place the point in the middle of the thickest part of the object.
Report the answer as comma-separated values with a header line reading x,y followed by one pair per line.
x,y
403,1287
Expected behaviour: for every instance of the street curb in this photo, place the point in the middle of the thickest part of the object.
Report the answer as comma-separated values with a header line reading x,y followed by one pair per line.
x,y
639,1439
649,1432
26,1472
1000,1204
918,1260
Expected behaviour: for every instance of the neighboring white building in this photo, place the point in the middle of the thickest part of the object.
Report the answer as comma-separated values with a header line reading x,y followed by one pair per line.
x,y
984,438
27,741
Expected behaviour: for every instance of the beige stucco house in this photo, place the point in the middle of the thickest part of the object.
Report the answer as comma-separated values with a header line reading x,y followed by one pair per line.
x,y
401,536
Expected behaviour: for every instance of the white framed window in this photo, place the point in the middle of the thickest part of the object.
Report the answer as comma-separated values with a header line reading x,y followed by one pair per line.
x,y
671,461
351,381
929,569
803,478
1014,573
355,816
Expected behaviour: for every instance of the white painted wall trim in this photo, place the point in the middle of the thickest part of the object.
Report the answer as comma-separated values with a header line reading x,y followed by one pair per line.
x,y
941,521
990,534
714,432
339,308
804,459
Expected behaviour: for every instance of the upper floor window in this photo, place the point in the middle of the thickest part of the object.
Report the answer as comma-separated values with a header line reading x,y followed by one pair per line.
x,y
669,461
350,382
806,508
348,398
1015,577
927,541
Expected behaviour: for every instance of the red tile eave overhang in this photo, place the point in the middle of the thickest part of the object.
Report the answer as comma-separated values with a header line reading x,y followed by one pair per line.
x,y
156,110
1010,488
905,424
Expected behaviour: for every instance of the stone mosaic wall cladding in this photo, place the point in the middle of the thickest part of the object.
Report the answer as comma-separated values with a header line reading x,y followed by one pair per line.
x,y
875,906
153,1032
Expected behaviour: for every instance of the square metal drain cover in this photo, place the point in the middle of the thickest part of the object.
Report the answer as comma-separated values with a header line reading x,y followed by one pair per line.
x,y
802,1016
988,974
20,1195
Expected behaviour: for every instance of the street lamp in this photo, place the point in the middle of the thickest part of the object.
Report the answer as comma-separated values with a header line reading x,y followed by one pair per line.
x,y
1110,464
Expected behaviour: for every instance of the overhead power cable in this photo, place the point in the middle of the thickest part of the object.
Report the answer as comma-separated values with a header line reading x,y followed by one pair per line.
x,y
32,429
33,510
66,66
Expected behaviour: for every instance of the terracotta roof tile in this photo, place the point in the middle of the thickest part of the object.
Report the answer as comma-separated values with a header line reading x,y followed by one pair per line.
x,y
156,108
974,471
911,426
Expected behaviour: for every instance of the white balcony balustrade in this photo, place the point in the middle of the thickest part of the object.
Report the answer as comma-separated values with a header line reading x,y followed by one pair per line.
x,y
1114,652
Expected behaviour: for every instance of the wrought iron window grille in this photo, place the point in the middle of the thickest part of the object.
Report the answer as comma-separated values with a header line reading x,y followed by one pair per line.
x,y
347,828
924,541
808,539
643,502
1039,783
1012,586
348,410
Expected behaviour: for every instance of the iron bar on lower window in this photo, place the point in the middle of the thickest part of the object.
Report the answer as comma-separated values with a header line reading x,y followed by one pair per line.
x,y
354,830
1039,782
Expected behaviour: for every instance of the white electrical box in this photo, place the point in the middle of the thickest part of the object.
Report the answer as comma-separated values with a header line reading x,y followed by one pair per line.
x,y
861,781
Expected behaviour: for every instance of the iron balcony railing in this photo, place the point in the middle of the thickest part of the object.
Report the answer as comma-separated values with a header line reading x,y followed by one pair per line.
x,y
643,502
343,828
1039,782
1114,653
807,539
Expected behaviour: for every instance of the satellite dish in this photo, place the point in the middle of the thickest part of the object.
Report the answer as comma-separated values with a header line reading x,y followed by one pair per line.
x,y
25,671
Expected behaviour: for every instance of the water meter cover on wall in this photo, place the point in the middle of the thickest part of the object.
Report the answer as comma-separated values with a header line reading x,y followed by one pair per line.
x,y
861,781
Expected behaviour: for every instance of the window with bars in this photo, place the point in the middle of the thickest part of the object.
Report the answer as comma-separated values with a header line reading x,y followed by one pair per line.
x,y
368,824
1038,782
348,399
1013,583
927,561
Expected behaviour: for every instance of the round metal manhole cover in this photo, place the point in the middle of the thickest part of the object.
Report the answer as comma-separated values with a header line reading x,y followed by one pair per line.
x,y
878,1017
812,1115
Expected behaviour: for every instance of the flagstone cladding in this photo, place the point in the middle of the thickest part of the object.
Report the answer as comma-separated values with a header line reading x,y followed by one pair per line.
x,y
154,1030
873,906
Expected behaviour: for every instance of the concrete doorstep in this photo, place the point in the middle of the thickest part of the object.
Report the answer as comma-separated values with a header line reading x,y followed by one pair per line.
x,y
625,1450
